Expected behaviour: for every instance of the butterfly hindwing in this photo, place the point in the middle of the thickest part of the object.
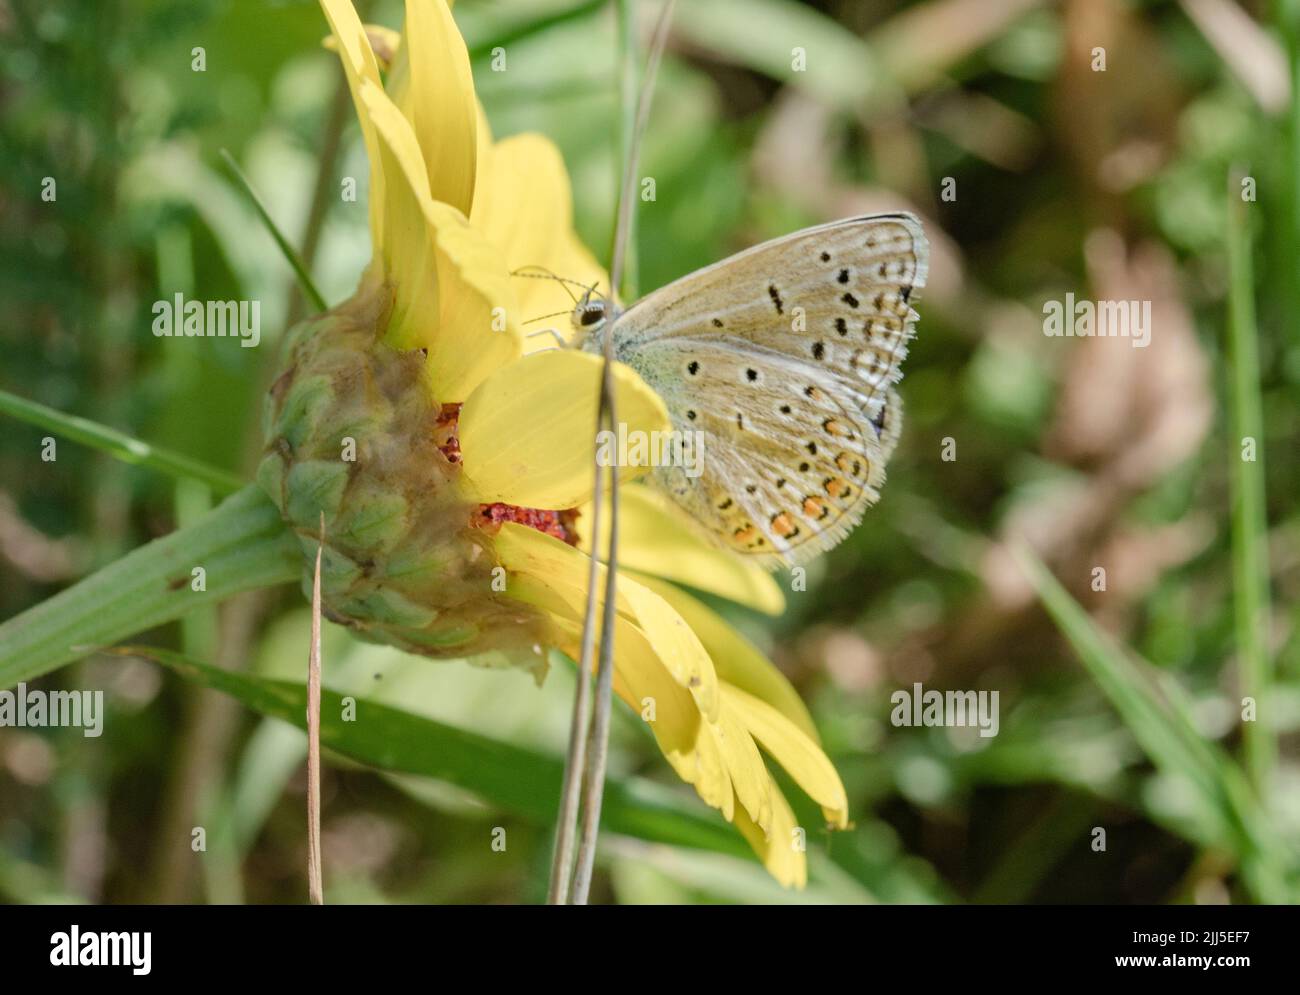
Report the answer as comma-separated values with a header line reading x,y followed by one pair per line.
x,y
789,463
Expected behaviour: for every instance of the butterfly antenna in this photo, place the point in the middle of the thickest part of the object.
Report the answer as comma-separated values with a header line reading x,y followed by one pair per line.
x,y
543,317
546,274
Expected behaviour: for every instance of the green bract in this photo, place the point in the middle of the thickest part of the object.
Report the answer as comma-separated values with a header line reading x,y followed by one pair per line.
x,y
355,452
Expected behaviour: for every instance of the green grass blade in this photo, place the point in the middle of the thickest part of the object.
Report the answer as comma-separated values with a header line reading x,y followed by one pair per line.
x,y
516,29
513,778
1286,17
1249,526
1134,693
118,444
1158,716
241,545
290,253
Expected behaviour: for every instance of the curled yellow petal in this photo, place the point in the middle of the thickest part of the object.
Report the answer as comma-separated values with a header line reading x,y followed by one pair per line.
x,y
654,538
526,432
675,643
441,101
525,207
778,848
802,758
565,571
720,757
407,249
360,66
452,295
749,776
478,332
735,659
641,680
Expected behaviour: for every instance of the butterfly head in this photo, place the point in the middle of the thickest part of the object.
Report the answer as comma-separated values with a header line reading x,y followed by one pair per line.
x,y
592,315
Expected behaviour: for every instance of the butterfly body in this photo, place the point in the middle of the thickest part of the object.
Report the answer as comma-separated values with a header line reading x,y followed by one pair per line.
x,y
784,358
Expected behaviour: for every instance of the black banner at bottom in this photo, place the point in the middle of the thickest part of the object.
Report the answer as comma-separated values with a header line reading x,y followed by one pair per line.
x,y
145,944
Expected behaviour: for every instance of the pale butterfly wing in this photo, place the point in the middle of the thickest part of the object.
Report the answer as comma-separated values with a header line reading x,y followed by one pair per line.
x,y
784,356
784,478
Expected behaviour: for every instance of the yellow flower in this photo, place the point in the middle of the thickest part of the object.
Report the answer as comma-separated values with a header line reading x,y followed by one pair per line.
x,y
459,528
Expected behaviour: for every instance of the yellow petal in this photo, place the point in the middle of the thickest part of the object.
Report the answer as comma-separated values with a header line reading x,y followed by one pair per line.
x,y
441,101
656,537
524,550
527,432
408,251
802,758
749,777
735,659
641,680
478,332
707,772
452,295
674,642
719,759
360,66
525,207
777,848
566,571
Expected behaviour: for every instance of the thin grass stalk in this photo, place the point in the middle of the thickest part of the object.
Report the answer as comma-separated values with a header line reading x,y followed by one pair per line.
x,y
315,890
558,888
597,733
295,261
336,118
636,104
1286,15
1249,511
598,748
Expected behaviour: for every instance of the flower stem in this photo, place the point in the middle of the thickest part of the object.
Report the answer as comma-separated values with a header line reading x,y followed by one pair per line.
x,y
241,545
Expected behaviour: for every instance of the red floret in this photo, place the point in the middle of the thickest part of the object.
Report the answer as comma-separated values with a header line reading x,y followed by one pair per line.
x,y
560,524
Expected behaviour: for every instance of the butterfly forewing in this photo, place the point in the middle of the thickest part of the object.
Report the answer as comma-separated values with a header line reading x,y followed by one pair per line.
x,y
784,356
839,295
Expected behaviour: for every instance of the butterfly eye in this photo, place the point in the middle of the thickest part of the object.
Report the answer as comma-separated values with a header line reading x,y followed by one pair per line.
x,y
592,314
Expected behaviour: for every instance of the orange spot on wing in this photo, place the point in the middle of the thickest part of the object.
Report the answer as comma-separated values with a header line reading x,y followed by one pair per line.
x,y
849,464
783,525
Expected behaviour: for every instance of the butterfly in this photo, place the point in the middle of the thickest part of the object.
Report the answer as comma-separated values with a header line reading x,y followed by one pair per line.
x,y
785,358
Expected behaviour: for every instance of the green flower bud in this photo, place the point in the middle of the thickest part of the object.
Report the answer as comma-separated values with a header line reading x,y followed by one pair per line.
x,y
353,441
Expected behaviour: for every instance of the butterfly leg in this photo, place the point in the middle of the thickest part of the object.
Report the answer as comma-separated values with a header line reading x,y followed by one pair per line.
x,y
560,340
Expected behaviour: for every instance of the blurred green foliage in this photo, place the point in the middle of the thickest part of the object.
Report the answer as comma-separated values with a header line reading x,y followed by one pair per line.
x,y
1111,184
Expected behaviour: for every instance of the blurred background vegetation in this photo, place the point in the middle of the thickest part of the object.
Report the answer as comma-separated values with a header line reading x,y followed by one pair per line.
x,y
1111,184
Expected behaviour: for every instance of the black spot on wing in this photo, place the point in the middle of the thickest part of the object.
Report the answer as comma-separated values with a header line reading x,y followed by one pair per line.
x,y
776,298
